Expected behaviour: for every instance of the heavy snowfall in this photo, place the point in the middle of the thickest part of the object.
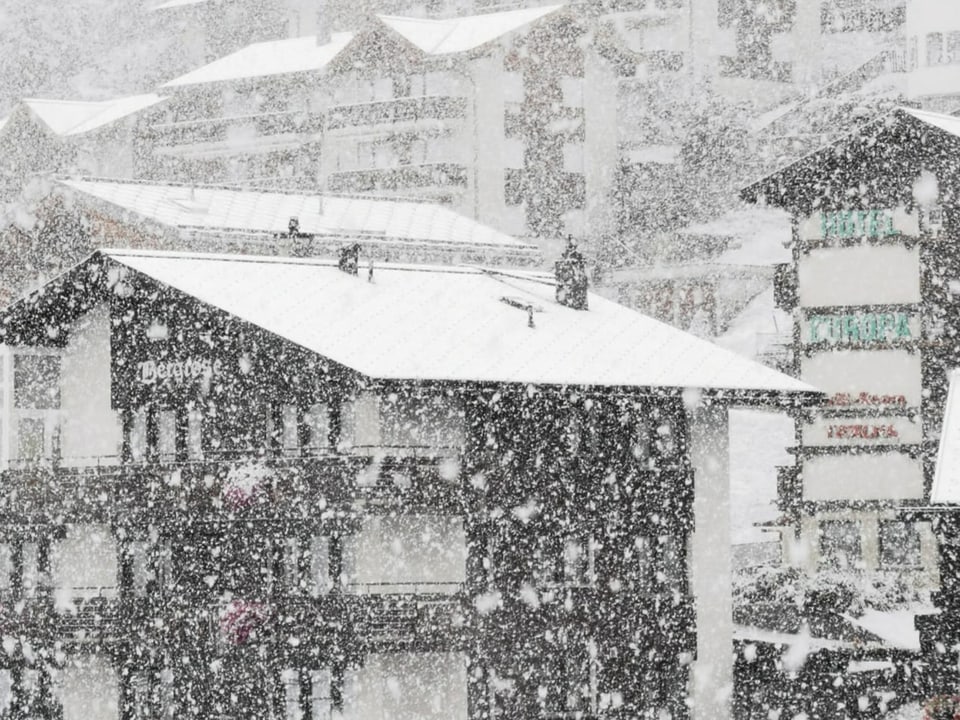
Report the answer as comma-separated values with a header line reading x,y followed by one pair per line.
x,y
479,359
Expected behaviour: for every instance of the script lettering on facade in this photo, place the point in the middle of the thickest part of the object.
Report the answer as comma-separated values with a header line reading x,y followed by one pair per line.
x,y
865,398
150,372
862,432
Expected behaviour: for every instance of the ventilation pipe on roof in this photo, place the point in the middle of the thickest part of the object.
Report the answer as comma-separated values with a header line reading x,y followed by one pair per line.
x,y
571,275
349,261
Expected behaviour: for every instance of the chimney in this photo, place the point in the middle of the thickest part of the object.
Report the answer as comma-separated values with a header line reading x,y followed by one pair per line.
x,y
349,261
571,275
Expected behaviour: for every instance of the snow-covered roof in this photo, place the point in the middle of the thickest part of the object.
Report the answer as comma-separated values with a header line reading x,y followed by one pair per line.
x,y
74,117
894,627
841,164
3,121
177,3
274,57
946,479
760,235
251,211
460,34
449,323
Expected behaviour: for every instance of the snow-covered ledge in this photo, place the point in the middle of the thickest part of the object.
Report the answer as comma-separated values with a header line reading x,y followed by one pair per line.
x,y
711,679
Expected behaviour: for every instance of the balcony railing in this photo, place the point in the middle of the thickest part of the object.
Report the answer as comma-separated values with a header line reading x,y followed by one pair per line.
x,y
404,620
404,177
207,130
229,486
393,112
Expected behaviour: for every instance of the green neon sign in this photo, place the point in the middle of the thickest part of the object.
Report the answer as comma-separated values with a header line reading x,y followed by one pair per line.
x,y
860,327
843,224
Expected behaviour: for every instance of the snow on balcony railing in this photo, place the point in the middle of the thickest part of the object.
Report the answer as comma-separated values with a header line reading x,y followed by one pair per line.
x,y
398,110
405,588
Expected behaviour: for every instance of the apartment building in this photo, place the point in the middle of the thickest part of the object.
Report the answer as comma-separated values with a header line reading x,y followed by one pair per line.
x,y
244,486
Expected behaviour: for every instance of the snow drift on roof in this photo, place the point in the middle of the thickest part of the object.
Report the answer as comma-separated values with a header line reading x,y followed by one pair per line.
x,y
454,35
274,57
220,209
447,323
74,117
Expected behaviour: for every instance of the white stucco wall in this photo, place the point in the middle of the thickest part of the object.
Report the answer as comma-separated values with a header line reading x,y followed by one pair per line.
x,y
89,689
878,476
859,275
84,564
710,564
407,686
396,554
90,428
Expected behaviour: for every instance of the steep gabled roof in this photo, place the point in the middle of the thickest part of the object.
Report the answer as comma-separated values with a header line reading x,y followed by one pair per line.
x,y
882,157
263,59
455,35
432,323
75,117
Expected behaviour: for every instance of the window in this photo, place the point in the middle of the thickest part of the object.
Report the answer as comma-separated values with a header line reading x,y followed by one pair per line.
x,y
953,48
934,48
30,439
840,544
36,381
899,544
513,186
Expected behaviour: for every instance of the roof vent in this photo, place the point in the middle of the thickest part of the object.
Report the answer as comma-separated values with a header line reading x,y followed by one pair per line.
x,y
571,275
349,261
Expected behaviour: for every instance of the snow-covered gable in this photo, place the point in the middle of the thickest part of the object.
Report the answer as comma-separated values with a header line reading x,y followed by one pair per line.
x,y
903,141
75,117
263,59
222,209
946,480
455,35
430,323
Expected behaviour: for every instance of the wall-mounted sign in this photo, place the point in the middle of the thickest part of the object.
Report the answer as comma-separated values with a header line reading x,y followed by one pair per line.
x,y
874,224
888,475
894,430
150,372
860,327
869,378
859,275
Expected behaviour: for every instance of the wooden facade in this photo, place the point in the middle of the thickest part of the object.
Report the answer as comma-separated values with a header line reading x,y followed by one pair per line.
x,y
575,506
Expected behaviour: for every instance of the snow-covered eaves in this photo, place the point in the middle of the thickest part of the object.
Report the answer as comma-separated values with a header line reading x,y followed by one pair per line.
x,y
946,479
439,324
456,35
218,209
170,4
905,140
75,117
274,57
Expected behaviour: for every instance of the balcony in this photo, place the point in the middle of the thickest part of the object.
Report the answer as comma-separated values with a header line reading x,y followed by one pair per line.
x,y
419,617
221,489
402,178
397,112
210,134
